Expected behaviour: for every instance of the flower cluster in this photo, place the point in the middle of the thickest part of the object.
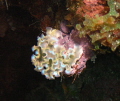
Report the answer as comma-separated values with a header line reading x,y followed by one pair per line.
x,y
51,58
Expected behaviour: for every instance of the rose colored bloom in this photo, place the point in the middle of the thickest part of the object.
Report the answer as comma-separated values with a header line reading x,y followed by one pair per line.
x,y
92,8
89,2
70,40
66,41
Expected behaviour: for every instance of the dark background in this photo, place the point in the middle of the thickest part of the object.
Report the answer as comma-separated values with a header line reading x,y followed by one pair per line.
x,y
21,21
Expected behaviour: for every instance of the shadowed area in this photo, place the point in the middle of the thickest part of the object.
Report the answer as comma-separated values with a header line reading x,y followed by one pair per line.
x,y
19,28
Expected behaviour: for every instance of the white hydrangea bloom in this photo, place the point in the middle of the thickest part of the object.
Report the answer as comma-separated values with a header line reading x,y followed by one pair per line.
x,y
51,58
